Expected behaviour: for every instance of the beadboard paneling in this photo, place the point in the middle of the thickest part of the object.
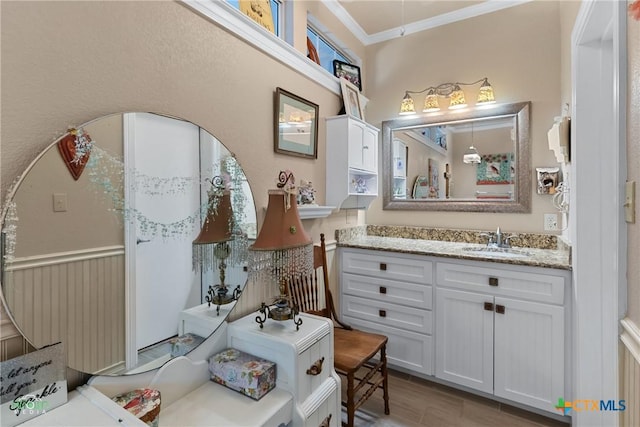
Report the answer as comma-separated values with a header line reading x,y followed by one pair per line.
x,y
52,302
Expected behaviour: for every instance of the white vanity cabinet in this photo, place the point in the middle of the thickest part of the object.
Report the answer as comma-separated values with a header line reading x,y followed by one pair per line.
x,y
492,327
304,361
501,330
391,294
352,162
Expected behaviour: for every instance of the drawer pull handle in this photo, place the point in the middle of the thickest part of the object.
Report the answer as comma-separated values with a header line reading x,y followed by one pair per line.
x,y
382,313
383,289
316,368
499,309
325,422
488,306
383,266
493,281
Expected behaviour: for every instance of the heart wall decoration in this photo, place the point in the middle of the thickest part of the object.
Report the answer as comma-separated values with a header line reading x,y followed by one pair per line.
x,y
75,149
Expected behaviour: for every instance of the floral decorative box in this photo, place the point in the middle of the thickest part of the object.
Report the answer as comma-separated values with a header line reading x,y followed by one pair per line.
x,y
144,403
243,372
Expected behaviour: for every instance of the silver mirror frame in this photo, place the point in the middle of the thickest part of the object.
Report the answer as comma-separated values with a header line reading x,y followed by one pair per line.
x,y
521,202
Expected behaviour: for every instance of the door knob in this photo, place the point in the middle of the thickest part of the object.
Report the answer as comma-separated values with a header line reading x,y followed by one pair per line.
x,y
139,240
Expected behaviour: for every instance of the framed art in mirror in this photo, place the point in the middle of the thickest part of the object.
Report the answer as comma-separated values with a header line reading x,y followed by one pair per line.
x,y
296,125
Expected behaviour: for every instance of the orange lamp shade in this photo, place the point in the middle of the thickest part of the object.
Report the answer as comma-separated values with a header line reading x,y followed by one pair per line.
x,y
217,227
282,227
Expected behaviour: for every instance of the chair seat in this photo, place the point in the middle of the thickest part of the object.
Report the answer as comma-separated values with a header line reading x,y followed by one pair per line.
x,y
353,348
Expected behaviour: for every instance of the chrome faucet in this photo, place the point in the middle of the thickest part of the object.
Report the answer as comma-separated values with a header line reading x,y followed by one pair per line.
x,y
498,240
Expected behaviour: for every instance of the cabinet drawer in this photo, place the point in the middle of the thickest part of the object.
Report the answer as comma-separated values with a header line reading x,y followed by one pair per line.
x,y
535,286
409,294
324,406
385,266
314,367
405,349
398,316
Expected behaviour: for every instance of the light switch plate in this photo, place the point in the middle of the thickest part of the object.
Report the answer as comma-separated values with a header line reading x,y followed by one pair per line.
x,y
630,202
59,202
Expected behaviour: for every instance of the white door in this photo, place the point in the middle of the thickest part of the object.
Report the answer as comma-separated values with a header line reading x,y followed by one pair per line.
x,y
161,151
464,339
529,352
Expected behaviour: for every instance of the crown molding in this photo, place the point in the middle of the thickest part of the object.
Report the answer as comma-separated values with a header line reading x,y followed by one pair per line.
x,y
488,6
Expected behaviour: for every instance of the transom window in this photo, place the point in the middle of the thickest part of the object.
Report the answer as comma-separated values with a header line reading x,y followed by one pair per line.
x,y
326,51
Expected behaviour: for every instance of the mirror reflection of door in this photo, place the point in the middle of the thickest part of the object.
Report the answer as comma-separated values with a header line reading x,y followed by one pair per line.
x,y
163,283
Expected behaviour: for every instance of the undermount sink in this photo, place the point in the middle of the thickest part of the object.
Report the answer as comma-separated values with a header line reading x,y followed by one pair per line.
x,y
497,252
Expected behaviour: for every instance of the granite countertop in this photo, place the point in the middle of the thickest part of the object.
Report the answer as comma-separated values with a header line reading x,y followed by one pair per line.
x,y
558,257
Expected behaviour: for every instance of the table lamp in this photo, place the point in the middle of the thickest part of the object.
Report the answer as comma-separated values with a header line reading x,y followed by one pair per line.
x,y
282,249
218,244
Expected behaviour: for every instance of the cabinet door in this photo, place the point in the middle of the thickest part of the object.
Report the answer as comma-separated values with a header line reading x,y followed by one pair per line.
x,y
529,352
370,150
356,137
464,339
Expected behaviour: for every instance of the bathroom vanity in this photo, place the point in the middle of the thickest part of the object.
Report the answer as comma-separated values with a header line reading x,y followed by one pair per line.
x,y
489,321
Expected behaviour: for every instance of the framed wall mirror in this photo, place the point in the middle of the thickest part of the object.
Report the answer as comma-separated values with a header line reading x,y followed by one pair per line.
x,y
472,161
102,257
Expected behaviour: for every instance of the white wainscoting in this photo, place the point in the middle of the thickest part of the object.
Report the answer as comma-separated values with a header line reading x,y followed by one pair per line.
x,y
51,301
630,372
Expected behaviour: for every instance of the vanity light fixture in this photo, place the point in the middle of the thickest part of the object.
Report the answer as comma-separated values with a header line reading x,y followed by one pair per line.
x,y
217,244
452,91
282,250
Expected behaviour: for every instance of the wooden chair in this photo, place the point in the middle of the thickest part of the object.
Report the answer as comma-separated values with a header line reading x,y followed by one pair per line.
x,y
354,351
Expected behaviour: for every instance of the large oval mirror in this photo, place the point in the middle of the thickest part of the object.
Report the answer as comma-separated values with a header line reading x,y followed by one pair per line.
x,y
99,242
477,161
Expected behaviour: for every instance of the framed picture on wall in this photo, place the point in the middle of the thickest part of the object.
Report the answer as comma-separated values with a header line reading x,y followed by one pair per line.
x,y
296,125
351,99
350,72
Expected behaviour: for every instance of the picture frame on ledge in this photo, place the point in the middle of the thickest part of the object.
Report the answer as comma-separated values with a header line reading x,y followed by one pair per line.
x,y
351,99
344,70
295,125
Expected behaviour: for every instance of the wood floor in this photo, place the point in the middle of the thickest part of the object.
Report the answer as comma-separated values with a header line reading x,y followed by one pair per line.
x,y
416,402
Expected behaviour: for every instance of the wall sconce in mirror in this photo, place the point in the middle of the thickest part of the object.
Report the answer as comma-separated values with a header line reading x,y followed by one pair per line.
x,y
451,91
219,242
282,250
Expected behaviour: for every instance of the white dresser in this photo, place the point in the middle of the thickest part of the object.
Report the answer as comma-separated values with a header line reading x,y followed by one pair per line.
x,y
304,361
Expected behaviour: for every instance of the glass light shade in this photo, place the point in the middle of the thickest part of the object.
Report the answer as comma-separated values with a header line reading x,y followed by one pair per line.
x,y
457,98
486,96
471,156
431,102
407,106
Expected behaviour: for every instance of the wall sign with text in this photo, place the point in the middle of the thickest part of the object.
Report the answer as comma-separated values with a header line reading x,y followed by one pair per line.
x,y
32,384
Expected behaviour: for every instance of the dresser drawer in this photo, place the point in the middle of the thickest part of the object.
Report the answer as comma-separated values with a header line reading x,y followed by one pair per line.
x,y
324,406
408,268
408,350
517,282
314,367
391,291
397,316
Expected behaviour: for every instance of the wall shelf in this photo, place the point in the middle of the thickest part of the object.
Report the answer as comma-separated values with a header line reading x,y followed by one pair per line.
x,y
314,211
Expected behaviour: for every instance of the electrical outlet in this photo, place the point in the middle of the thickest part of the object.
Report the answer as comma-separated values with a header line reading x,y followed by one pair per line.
x,y
550,222
59,202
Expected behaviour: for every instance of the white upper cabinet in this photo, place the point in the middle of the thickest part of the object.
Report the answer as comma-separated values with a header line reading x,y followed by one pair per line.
x,y
352,162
